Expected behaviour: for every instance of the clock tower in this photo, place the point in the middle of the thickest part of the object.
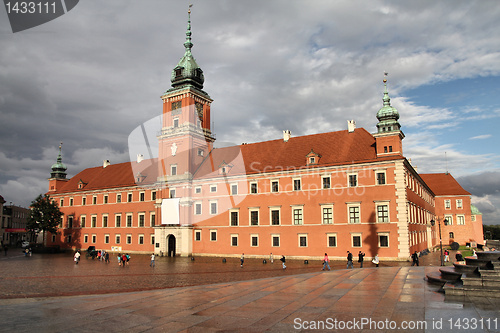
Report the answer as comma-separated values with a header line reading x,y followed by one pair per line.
x,y
185,140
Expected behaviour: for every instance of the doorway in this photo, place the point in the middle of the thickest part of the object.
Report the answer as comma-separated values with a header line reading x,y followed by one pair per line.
x,y
171,246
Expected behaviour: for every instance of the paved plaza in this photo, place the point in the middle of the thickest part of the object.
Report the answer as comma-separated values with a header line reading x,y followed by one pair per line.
x,y
49,293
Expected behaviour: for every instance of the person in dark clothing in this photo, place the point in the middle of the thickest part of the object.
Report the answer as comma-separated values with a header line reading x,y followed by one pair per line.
x,y
414,258
459,256
349,260
283,261
361,258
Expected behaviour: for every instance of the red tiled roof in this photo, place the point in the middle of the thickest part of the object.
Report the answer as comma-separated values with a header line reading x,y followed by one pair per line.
x,y
334,148
443,184
114,175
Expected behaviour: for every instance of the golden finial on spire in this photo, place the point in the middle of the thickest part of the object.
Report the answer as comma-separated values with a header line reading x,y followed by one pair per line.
x,y
189,9
385,76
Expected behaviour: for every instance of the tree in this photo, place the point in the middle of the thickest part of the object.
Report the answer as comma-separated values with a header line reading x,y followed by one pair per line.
x,y
44,216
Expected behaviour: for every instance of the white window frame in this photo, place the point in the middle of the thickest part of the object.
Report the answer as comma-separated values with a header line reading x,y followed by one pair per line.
x,y
143,215
105,217
299,180
349,206
271,187
197,233
326,206
379,204
357,234
128,239
237,211
447,204
212,232
271,208
256,187
106,238
233,236
213,202
323,182
460,204
251,240
298,208
349,174
449,218
198,204
272,240
376,177
461,217
234,188
213,188
118,215
299,236
331,234
173,169
250,210
197,190
388,239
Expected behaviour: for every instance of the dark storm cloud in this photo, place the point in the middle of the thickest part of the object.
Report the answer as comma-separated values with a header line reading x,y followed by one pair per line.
x,y
92,76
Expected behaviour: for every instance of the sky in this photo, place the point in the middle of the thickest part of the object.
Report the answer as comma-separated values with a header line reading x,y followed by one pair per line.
x,y
91,76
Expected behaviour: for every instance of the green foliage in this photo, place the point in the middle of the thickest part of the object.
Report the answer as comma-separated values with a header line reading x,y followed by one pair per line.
x,y
45,215
491,231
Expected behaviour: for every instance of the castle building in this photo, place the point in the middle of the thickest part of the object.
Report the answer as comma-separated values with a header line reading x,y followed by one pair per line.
x,y
297,196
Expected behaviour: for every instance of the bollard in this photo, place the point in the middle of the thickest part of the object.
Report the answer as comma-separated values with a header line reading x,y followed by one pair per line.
x,y
264,261
306,262
192,258
223,260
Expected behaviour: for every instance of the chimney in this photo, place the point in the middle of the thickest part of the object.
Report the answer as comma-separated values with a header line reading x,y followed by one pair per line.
x,y
351,126
105,163
140,158
287,135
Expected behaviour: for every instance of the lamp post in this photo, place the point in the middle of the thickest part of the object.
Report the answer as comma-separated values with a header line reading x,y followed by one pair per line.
x,y
440,239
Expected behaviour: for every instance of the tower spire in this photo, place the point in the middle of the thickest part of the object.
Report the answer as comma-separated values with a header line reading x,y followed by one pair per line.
x,y
59,169
188,44
388,116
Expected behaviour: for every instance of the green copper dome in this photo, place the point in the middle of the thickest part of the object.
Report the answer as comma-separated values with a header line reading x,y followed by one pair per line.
x,y
388,115
187,71
59,168
474,210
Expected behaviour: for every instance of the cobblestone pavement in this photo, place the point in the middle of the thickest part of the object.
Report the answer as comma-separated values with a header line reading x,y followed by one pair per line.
x,y
225,297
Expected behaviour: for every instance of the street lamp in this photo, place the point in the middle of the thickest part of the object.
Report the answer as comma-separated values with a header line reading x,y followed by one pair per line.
x,y
440,239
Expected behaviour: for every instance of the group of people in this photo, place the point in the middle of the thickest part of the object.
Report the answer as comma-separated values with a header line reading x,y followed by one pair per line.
x,y
123,259
102,255
271,259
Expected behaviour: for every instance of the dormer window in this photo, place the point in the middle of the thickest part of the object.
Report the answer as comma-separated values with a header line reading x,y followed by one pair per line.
x,y
312,158
224,168
178,72
81,184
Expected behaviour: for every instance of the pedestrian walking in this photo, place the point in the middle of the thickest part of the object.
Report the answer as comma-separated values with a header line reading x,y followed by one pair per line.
x,y
152,263
124,260
283,260
242,259
326,262
446,256
77,257
106,260
349,260
119,259
414,258
271,258
361,258
375,260
128,258
459,257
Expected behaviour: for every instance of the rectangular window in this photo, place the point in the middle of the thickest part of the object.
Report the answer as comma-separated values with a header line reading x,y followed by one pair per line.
x,y
354,214
118,198
129,221
197,208
254,240
105,221
152,239
327,214
297,216
447,204
234,189
326,182
234,218
197,190
254,217
153,195
296,185
459,203
71,201
213,188
141,239
380,178
117,239
106,239
213,235
152,217
172,193
460,220
129,197
275,186
82,221
176,122
331,240
197,235
106,199
275,217
129,239
356,240
302,240
84,201
234,240
173,170
70,222
353,180
382,213
142,218
449,218
94,221
118,221
94,200
383,240
94,239
253,188
275,240
142,196
85,238
213,207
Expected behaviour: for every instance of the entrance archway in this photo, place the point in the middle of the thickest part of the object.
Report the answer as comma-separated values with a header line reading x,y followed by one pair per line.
x,y
171,246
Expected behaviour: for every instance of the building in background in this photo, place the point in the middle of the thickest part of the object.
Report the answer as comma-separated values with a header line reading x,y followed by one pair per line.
x,y
298,196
